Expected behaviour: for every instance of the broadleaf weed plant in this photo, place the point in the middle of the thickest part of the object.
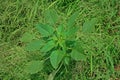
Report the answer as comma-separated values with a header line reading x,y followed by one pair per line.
x,y
58,43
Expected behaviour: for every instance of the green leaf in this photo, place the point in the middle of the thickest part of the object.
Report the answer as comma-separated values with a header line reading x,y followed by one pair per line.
x,y
54,37
67,60
27,37
78,55
34,66
45,30
56,57
60,29
51,16
72,19
89,26
70,32
34,45
48,46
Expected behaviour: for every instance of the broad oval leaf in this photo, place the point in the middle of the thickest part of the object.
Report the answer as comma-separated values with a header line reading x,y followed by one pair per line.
x,y
51,16
61,32
56,57
70,32
34,66
89,26
45,30
48,46
27,37
34,45
60,29
71,20
78,55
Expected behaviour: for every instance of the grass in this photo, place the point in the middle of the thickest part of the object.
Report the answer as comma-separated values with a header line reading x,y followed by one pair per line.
x,y
102,46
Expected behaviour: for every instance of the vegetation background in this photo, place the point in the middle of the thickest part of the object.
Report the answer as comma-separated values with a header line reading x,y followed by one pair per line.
x,y
20,16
